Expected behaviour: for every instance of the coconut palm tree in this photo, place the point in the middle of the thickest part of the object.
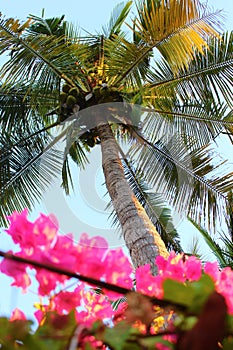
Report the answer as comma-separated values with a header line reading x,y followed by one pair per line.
x,y
152,103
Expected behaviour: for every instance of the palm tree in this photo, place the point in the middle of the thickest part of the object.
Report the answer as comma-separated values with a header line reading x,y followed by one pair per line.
x,y
154,104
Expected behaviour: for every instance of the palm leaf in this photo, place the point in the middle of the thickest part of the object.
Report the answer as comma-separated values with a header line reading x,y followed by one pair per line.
x,y
26,170
77,154
188,179
176,28
49,26
207,77
224,254
127,61
229,214
48,58
200,124
194,248
117,19
229,120
19,112
175,39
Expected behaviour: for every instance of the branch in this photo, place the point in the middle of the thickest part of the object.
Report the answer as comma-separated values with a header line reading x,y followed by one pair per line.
x,y
90,280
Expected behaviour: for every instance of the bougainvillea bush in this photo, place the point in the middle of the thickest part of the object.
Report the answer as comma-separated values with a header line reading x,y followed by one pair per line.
x,y
186,306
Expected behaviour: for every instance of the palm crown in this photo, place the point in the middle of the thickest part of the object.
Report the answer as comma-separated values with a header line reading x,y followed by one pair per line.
x,y
166,92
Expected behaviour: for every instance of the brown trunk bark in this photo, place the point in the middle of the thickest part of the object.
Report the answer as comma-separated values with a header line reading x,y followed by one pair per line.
x,y
140,235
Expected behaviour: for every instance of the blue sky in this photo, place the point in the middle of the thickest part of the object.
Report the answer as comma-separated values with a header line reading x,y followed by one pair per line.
x,y
90,15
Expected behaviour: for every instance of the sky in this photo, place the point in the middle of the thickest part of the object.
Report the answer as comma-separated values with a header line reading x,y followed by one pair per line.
x,y
88,14
86,215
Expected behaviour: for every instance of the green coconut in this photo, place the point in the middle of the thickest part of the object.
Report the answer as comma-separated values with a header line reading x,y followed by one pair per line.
x,y
63,97
96,92
66,88
71,100
74,92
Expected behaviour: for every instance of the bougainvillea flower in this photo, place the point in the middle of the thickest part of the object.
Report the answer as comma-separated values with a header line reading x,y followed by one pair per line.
x,y
17,314
17,272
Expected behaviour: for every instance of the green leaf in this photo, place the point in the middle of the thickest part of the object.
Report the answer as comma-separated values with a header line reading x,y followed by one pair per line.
x,y
57,330
149,343
188,323
118,17
230,323
12,332
192,295
116,337
202,290
178,293
228,343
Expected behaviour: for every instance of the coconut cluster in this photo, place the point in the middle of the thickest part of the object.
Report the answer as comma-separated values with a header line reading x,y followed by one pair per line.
x,y
70,100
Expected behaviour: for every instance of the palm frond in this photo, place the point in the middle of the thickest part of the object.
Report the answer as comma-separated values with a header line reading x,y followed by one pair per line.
x,y
128,62
209,201
48,26
229,214
29,55
229,127
207,77
194,248
176,28
77,154
25,172
199,123
117,302
223,252
73,33
47,58
117,19
156,209
188,179
21,112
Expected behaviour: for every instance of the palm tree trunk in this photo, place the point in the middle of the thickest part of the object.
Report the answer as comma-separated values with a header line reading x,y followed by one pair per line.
x,y
140,235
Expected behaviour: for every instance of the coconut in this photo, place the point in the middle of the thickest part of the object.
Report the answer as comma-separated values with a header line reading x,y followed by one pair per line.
x,y
74,91
71,100
66,88
63,97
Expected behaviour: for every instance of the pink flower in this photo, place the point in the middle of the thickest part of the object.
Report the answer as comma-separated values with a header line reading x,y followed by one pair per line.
x,y
147,283
93,242
162,263
41,313
67,301
117,269
64,253
45,229
193,268
212,269
160,346
172,267
176,271
48,281
20,229
93,250
96,307
224,287
17,315
17,271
